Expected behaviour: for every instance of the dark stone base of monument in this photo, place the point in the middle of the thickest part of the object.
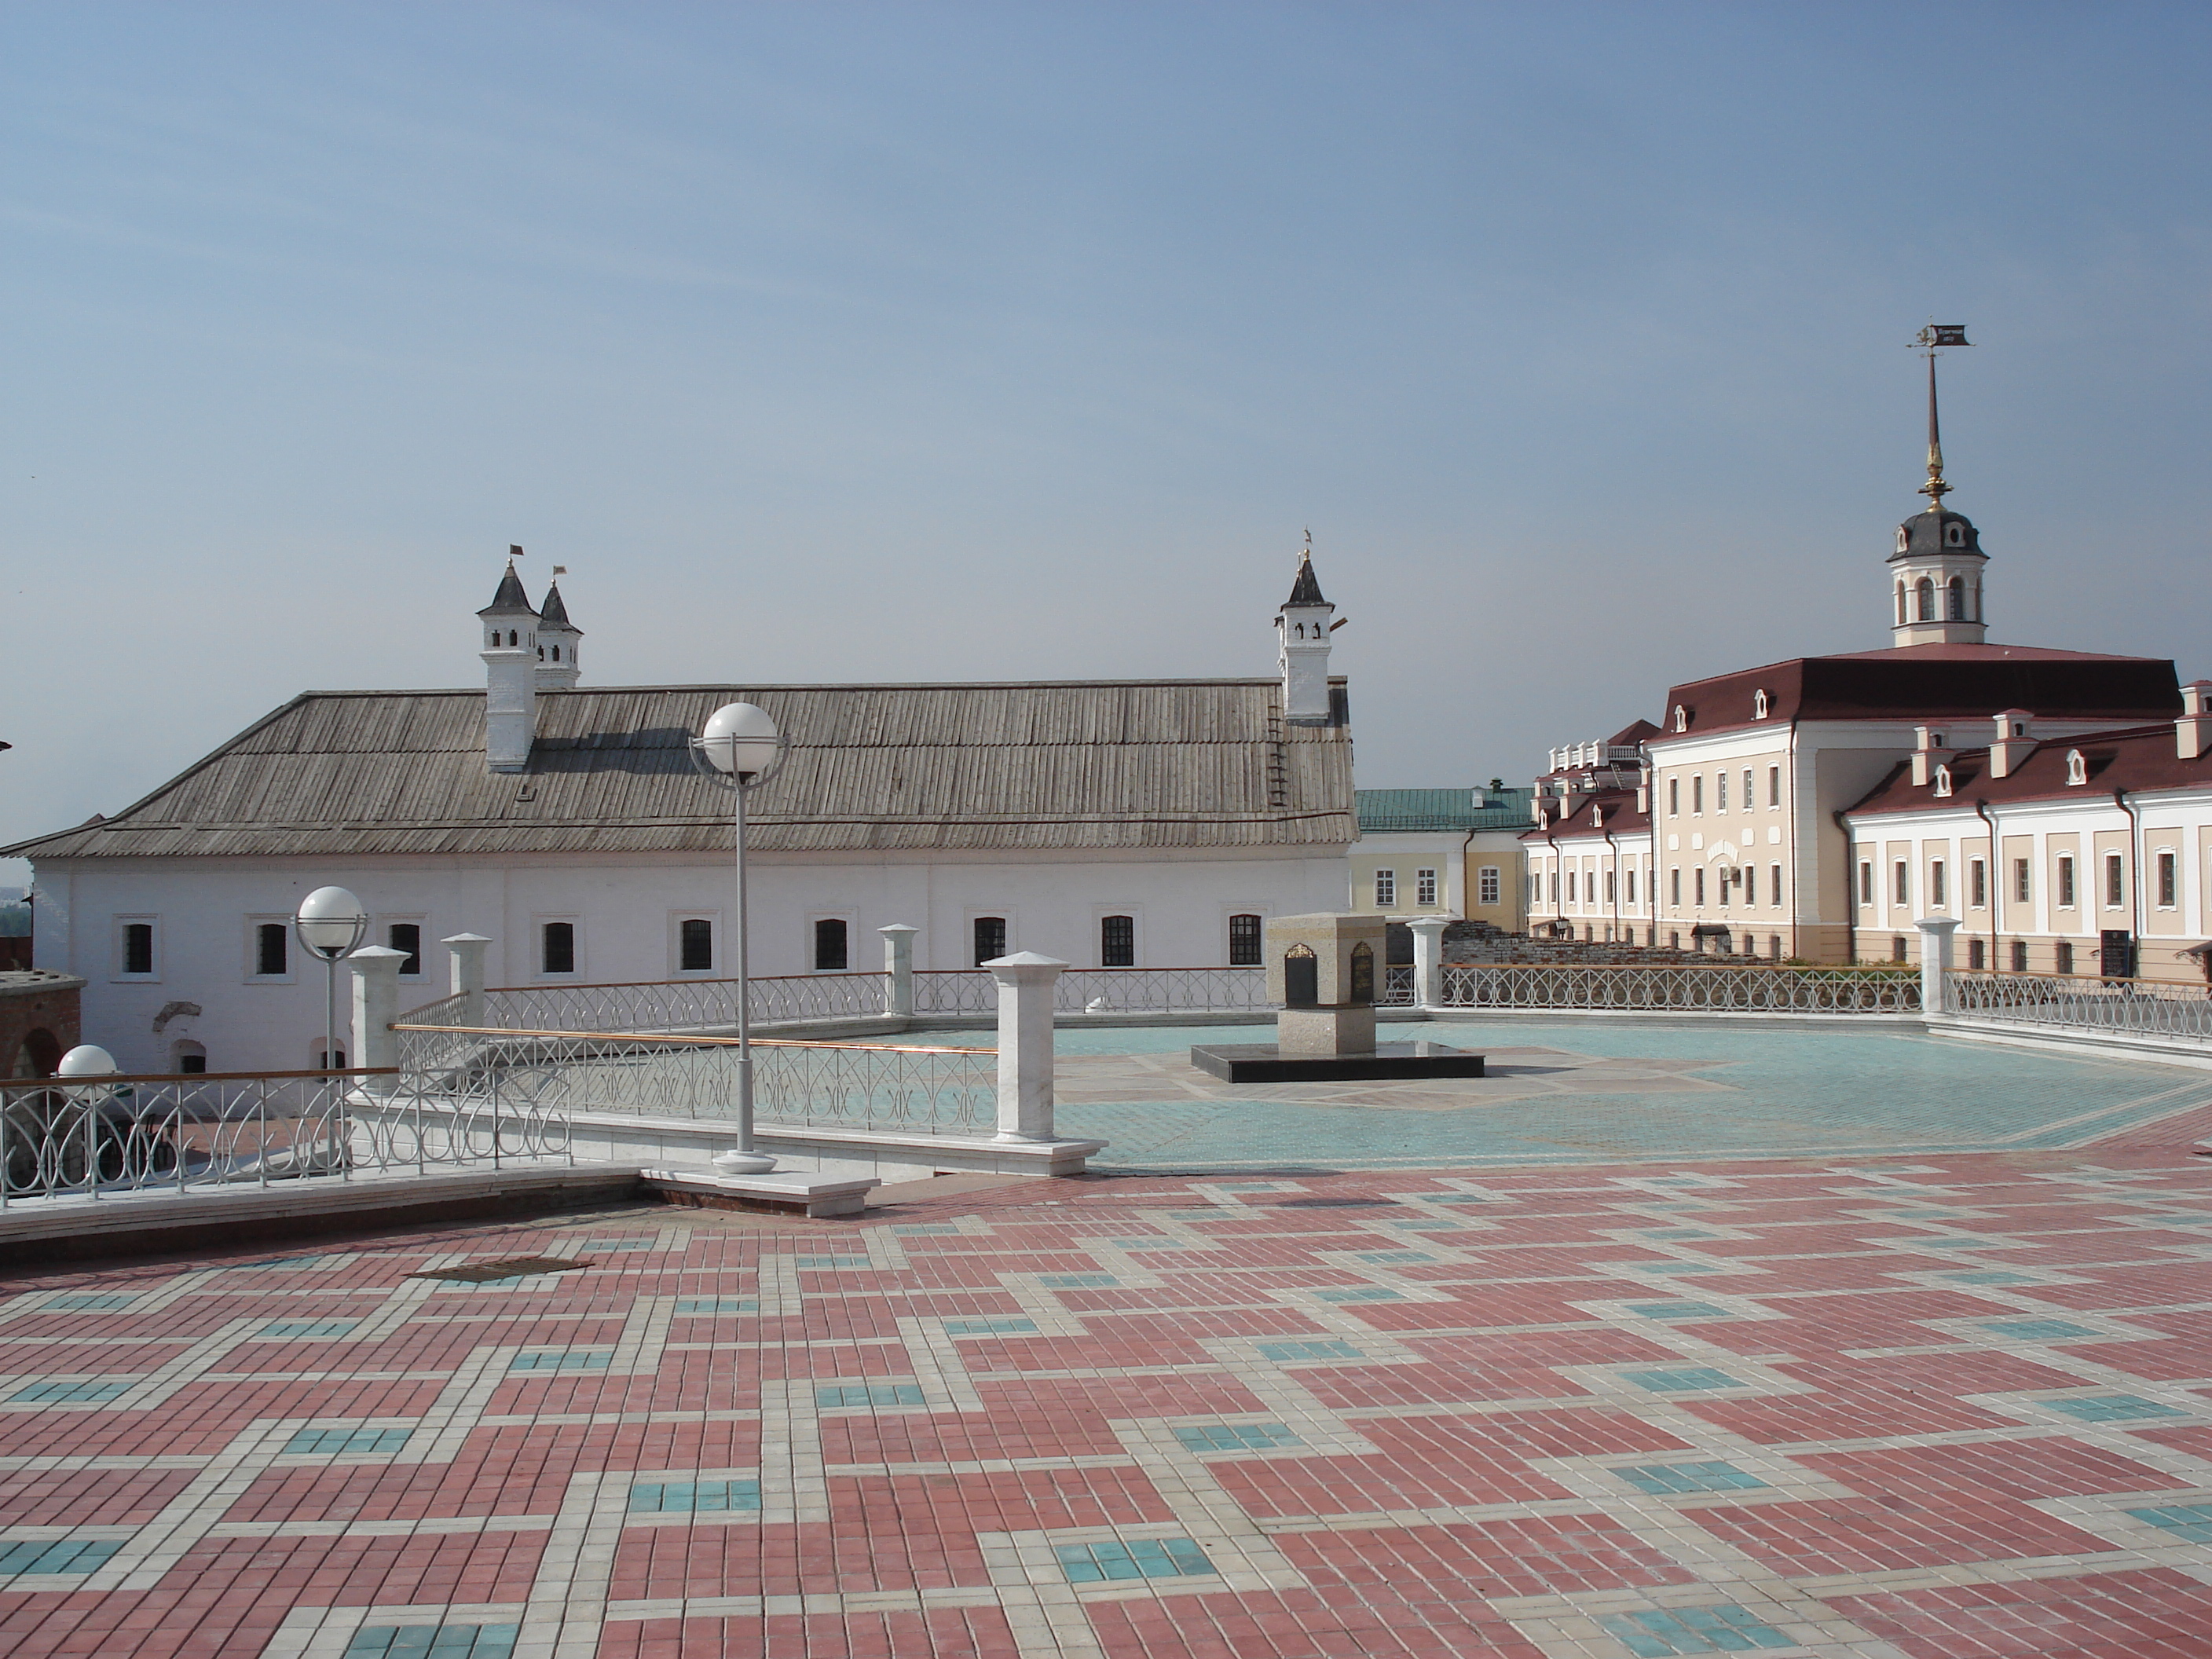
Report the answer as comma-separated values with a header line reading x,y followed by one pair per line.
x,y
1394,1062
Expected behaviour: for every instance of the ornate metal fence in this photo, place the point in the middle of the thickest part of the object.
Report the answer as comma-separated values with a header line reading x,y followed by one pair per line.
x,y
1398,986
1684,988
1101,991
2143,1008
223,1131
907,1089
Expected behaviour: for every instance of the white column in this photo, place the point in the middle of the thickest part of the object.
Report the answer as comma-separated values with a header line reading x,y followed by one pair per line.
x,y
898,969
1025,996
1428,960
375,1006
1935,962
467,952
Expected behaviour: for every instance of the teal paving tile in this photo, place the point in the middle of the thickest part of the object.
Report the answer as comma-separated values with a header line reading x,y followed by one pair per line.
x,y
57,1555
1364,1293
848,1395
1985,1276
85,1303
829,1263
1147,1244
1142,1557
2112,1408
1236,1437
1324,1348
347,1440
294,1328
2190,1522
432,1641
1681,1310
690,1497
988,1326
1076,1281
1664,1233
49,1393
921,1228
1393,1255
1689,1381
1659,1478
2037,1330
1724,1628
710,1306
560,1362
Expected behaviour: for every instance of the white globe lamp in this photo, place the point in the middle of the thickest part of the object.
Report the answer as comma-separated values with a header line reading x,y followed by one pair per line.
x,y
740,739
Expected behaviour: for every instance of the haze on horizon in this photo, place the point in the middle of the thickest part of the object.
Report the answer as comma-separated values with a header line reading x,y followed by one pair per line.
x,y
878,342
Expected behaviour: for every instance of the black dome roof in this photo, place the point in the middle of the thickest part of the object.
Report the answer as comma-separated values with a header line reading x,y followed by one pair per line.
x,y
1931,533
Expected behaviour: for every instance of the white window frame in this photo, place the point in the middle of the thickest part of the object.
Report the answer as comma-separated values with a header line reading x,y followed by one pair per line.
x,y
853,938
1386,888
1978,884
575,975
1489,886
676,968
380,933
293,950
2166,875
969,917
116,957
1425,889
1774,887
1136,915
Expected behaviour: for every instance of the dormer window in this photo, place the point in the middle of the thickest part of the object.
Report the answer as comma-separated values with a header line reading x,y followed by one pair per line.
x,y
1943,780
1758,704
1954,535
2077,769
1904,539
1681,718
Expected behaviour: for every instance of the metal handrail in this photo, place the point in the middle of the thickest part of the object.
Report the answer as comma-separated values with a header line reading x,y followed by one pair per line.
x,y
692,1039
1681,988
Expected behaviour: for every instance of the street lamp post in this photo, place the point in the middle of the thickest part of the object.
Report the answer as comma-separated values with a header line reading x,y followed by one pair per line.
x,y
738,750
331,923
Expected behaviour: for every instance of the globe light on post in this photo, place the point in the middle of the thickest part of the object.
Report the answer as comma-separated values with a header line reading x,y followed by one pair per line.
x,y
330,924
738,749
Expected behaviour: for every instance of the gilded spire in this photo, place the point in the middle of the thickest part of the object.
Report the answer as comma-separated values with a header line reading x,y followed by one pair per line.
x,y
1928,339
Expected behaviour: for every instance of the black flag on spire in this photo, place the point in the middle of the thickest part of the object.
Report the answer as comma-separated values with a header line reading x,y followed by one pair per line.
x,y
1944,334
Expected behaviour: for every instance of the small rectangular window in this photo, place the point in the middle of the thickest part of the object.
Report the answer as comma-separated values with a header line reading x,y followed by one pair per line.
x,y
2021,885
1611,887
1675,884
406,938
2019,955
1698,794
1750,883
1244,941
1935,885
271,949
695,946
1486,885
1866,881
2168,884
2115,882
1673,798
990,938
1774,786
138,947
1897,949
1386,888
1974,959
833,947
1978,883
1746,789
1570,886
2065,881
1555,873
558,953
1904,882
2065,957
1700,880
1425,889
1117,941
1631,884
1774,884
1720,791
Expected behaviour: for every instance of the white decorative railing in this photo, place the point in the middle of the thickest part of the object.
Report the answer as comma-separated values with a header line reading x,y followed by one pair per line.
x,y
1399,989
2143,1007
1160,990
683,1004
907,1089
224,1131
1686,988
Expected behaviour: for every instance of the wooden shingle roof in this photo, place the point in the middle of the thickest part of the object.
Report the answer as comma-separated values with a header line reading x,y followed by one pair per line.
x,y
1036,765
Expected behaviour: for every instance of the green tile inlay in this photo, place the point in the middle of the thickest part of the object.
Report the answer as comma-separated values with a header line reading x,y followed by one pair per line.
x,y
1236,1437
1659,1478
570,1361
1141,1557
711,1305
1725,1628
1076,1281
1679,1310
1363,1293
304,1328
874,1394
86,1304
1683,1381
1324,1349
2037,1330
347,1440
57,1555
988,1326
2192,1521
2112,1408
60,1391
683,1497
432,1641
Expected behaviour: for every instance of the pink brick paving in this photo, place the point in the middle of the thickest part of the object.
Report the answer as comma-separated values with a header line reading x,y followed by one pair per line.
x,y
1479,1417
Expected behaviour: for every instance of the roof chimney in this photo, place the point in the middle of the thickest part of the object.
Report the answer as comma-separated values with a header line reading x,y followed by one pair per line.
x,y
510,659
2193,732
1928,752
2013,743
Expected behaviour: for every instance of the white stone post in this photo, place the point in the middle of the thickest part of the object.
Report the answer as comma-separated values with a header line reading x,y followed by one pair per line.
x,y
467,951
899,970
375,1006
1935,963
1428,960
1025,998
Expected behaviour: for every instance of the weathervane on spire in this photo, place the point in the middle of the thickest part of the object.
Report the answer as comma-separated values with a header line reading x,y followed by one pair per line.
x,y
1929,340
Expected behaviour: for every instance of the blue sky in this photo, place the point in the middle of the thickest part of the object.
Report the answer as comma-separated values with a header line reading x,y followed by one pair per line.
x,y
947,341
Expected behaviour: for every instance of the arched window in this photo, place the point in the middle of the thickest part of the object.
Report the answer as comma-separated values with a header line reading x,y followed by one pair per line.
x,y
1681,718
1363,972
1301,977
541,653
1924,600
1957,605
1900,591
1943,780
1760,705
2077,769
1904,542
511,638
556,653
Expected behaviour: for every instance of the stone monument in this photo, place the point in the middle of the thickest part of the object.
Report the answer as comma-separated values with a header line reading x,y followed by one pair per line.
x,y
1325,974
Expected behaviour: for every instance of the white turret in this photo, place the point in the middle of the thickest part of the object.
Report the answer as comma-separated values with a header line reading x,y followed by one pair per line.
x,y
557,644
1304,627
510,659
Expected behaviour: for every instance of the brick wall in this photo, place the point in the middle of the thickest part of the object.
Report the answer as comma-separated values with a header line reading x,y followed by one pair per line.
x,y
39,1022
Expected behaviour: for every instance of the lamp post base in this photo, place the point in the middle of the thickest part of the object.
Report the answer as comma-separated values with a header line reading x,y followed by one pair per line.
x,y
736,1163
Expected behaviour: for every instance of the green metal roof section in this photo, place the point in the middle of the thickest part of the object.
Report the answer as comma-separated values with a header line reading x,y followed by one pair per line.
x,y
1382,810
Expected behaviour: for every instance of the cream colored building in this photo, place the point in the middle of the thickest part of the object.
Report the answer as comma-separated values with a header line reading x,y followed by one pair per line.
x,y
1453,853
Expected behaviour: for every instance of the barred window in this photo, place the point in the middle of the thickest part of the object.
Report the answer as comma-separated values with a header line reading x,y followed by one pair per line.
x,y
138,947
832,946
1974,954
1935,885
1117,941
695,946
2065,955
1244,941
2019,955
990,938
557,950
1673,798
272,949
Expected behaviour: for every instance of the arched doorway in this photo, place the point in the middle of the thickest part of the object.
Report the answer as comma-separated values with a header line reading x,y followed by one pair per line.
x,y
41,1051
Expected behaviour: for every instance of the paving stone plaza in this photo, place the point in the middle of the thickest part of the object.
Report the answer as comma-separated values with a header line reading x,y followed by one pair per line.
x,y
1625,1379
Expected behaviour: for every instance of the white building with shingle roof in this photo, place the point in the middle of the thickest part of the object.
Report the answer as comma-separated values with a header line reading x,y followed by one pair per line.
x,y
1131,823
